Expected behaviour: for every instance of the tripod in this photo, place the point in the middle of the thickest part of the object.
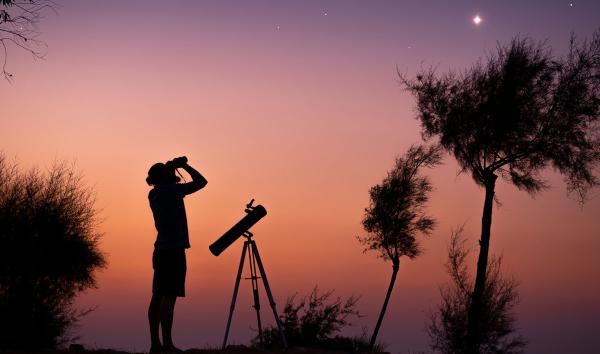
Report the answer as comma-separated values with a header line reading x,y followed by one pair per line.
x,y
254,260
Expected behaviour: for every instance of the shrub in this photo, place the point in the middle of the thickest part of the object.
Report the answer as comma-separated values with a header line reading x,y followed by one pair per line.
x,y
48,253
315,321
448,329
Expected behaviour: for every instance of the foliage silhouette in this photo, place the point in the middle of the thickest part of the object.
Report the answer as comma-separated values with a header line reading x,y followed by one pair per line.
x,y
19,27
314,322
48,254
448,327
519,113
396,214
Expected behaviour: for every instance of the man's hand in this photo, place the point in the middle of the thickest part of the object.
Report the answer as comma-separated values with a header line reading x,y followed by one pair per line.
x,y
198,181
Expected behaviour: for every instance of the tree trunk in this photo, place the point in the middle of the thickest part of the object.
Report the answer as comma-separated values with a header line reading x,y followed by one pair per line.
x,y
476,308
395,267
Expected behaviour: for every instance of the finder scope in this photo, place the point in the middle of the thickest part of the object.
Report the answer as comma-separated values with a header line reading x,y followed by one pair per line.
x,y
253,214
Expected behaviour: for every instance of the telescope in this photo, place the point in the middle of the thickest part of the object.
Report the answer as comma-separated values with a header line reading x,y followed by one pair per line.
x,y
253,214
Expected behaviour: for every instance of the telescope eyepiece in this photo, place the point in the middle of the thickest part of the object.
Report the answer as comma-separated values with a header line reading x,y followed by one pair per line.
x,y
249,206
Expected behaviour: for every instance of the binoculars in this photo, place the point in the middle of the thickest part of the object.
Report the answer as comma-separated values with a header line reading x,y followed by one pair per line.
x,y
177,162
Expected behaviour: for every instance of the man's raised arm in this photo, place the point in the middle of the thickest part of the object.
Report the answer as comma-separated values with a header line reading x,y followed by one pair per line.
x,y
198,181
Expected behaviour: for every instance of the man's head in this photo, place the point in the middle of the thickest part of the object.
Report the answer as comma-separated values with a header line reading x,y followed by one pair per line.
x,y
159,173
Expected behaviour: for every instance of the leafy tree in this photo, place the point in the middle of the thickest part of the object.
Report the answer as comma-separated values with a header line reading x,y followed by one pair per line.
x,y
448,326
396,214
521,111
19,21
48,254
314,322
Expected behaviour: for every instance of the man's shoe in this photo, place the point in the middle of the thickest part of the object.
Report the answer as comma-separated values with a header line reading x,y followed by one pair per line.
x,y
156,349
171,349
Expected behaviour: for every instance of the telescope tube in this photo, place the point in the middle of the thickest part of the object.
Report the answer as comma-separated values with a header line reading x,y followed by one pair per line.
x,y
257,213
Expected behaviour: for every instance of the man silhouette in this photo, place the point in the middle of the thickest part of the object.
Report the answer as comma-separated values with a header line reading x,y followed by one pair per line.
x,y
168,259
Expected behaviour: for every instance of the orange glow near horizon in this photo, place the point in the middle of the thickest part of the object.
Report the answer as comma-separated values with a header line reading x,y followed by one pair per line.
x,y
305,119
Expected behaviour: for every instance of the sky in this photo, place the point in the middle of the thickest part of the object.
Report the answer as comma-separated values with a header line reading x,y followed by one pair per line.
x,y
296,104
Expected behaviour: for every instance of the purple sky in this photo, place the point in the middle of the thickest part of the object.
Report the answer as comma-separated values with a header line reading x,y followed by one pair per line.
x,y
308,90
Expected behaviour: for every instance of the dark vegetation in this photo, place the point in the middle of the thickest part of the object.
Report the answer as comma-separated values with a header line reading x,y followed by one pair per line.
x,y
19,21
396,215
234,349
447,328
515,115
48,254
315,321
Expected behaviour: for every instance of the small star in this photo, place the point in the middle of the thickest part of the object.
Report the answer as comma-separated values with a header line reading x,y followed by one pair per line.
x,y
324,13
477,20
571,4
278,27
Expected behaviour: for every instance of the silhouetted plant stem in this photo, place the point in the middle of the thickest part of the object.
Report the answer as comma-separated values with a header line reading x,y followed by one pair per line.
x,y
396,214
514,115
474,320
395,267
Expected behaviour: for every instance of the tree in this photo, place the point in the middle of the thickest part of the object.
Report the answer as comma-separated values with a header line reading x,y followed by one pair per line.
x,y
48,254
522,111
396,214
314,322
19,21
447,328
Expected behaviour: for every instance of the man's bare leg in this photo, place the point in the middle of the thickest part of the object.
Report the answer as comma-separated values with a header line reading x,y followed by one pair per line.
x,y
167,310
154,321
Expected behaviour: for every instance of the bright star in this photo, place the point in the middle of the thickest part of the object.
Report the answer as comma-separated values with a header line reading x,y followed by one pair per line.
x,y
477,20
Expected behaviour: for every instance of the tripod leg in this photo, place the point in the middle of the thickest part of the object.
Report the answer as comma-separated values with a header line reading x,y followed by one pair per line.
x,y
254,279
235,291
268,291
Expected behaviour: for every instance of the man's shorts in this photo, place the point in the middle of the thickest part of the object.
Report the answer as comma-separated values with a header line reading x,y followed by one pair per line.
x,y
169,272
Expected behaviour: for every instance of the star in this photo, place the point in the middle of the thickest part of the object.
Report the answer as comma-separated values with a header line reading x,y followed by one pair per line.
x,y
324,13
477,20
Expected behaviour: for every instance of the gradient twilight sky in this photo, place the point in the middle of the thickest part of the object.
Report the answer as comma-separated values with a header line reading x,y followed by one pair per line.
x,y
296,104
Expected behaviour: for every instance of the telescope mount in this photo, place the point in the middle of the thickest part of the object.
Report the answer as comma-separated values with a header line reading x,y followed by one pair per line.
x,y
254,262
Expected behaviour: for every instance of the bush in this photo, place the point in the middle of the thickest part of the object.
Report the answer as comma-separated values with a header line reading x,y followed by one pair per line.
x,y
48,253
448,328
314,322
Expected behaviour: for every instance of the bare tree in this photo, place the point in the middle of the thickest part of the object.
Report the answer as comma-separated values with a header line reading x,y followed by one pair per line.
x,y
19,21
447,328
48,254
522,111
396,214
